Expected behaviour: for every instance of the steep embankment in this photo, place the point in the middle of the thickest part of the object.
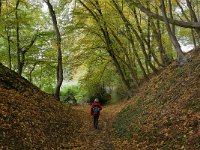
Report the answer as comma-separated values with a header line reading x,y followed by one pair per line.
x,y
165,114
31,119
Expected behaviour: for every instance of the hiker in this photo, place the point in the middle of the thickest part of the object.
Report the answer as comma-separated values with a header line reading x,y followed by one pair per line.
x,y
95,111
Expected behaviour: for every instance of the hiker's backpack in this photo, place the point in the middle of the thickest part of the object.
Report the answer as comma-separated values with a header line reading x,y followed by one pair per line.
x,y
96,110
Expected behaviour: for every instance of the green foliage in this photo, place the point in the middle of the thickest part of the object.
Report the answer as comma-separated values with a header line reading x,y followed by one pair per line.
x,y
97,90
126,120
84,43
73,93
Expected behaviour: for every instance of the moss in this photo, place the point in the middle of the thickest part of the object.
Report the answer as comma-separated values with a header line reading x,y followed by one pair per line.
x,y
125,123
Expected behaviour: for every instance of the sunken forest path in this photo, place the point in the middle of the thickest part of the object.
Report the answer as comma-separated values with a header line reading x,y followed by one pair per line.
x,y
96,139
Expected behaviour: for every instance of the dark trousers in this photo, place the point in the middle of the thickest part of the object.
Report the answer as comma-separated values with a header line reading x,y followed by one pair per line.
x,y
95,122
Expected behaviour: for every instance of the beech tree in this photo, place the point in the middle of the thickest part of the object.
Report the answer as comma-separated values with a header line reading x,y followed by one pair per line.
x,y
102,24
59,52
21,50
181,57
193,23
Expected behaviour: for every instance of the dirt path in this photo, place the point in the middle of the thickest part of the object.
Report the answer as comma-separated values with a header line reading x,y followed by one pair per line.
x,y
96,139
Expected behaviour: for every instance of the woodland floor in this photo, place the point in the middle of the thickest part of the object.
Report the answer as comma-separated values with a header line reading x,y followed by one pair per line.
x,y
96,139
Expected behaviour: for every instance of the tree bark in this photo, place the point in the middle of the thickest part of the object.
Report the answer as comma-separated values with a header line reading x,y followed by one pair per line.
x,y
0,6
129,64
181,57
9,49
59,52
24,50
171,16
156,30
192,30
19,71
146,41
31,71
193,15
197,4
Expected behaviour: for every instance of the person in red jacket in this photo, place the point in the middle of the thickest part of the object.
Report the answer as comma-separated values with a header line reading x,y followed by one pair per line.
x,y
95,112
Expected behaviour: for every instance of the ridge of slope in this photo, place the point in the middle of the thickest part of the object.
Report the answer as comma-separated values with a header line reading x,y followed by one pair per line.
x,y
30,118
165,113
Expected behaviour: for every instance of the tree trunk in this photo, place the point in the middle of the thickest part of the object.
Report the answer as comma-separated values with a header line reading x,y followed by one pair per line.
x,y
193,16
194,39
59,52
129,25
9,50
117,65
130,38
181,57
156,30
186,17
129,63
138,58
21,51
31,71
0,6
171,16
19,71
197,4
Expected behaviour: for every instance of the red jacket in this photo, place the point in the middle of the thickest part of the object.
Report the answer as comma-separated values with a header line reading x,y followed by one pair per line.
x,y
92,107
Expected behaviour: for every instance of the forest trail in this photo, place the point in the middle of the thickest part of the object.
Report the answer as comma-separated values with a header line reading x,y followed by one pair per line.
x,y
96,139
163,114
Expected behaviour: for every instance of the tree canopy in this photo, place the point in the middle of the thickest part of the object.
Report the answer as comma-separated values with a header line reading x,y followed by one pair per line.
x,y
114,44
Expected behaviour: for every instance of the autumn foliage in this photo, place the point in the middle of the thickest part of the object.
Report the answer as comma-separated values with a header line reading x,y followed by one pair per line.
x,y
30,118
165,113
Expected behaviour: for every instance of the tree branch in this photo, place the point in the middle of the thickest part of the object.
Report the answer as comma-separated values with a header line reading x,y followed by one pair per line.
x,y
149,13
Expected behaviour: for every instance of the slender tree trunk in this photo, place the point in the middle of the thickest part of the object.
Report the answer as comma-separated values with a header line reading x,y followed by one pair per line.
x,y
181,57
40,77
31,71
194,39
193,16
21,51
171,16
130,38
148,42
186,17
138,58
7,29
59,52
148,61
116,63
192,13
0,6
129,63
127,23
156,30
19,71
9,49
198,14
